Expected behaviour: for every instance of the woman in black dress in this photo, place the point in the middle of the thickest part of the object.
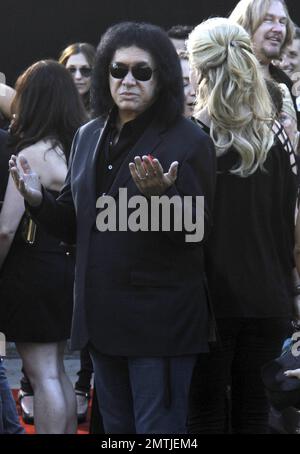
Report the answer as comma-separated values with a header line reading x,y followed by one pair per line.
x,y
36,270
249,254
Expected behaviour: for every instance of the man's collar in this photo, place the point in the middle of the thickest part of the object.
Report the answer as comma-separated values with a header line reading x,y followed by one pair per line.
x,y
143,119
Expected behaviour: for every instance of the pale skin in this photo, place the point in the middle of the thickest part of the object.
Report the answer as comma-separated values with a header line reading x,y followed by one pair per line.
x,y
6,96
290,60
149,176
189,92
11,214
293,373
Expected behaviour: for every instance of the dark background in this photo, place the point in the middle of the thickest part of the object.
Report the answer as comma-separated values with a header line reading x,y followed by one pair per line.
x,y
31,30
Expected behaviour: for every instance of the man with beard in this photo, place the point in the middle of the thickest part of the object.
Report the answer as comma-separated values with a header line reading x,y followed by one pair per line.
x,y
271,30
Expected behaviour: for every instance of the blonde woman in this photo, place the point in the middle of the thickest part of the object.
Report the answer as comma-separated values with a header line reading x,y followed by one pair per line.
x,y
249,253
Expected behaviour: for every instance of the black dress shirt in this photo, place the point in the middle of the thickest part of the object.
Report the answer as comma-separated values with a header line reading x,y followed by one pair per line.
x,y
113,152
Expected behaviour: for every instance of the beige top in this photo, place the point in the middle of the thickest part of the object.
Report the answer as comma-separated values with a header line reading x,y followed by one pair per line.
x,y
287,102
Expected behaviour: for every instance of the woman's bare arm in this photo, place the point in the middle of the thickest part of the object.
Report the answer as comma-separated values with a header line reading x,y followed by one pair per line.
x,y
10,216
6,96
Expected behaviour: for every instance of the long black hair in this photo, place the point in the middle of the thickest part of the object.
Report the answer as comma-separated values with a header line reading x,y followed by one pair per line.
x,y
154,40
46,106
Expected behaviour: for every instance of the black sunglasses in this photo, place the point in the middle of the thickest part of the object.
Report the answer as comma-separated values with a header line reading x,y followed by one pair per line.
x,y
85,72
141,73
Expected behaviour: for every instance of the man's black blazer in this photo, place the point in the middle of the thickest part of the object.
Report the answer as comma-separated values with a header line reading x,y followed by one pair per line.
x,y
146,294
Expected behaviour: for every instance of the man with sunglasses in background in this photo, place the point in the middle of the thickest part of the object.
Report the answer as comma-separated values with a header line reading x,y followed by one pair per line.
x,y
140,296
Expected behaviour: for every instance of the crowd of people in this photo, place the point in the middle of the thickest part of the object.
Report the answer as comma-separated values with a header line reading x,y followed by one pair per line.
x,y
175,323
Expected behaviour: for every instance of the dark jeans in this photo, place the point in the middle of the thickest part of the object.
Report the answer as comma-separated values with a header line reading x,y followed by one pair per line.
x,y
96,423
86,370
143,395
9,421
246,344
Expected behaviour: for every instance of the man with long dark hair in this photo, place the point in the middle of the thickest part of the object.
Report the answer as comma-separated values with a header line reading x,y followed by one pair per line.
x,y
140,295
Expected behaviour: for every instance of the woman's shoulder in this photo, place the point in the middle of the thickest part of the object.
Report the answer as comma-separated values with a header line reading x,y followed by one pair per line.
x,y
43,145
43,151
48,161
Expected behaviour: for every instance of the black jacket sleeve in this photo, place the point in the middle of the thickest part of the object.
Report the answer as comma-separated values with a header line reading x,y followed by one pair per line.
x,y
196,178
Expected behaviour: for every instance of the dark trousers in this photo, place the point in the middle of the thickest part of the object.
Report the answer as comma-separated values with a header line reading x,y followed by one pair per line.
x,y
86,371
245,345
143,395
96,423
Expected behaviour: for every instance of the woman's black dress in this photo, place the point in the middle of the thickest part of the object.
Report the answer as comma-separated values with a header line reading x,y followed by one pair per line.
x,y
36,289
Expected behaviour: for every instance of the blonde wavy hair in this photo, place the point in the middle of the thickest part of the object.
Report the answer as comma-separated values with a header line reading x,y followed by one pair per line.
x,y
251,13
232,88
